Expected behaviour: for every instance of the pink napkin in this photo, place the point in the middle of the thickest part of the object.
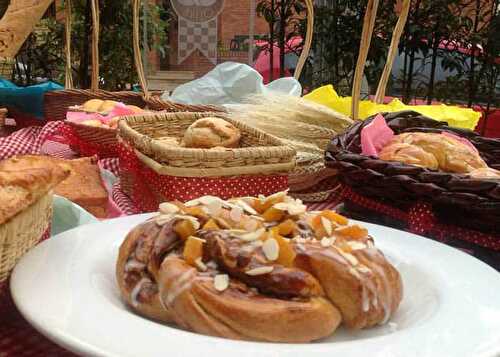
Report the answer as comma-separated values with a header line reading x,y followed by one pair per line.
x,y
375,136
462,140
78,117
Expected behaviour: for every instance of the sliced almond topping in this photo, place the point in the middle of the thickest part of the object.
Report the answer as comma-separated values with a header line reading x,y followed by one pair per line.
x,y
236,213
208,200
249,237
193,220
200,265
260,271
168,208
356,245
327,225
257,243
354,272
163,219
327,242
192,203
292,208
246,207
214,208
271,249
221,282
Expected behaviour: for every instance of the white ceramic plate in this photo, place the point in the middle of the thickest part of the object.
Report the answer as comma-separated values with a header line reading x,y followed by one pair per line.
x,y
66,288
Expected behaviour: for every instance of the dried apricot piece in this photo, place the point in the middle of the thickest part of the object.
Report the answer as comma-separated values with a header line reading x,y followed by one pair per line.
x,y
273,215
195,212
287,254
184,229
322,227
335,217
193,249
270,201
211,225
287,227
354,231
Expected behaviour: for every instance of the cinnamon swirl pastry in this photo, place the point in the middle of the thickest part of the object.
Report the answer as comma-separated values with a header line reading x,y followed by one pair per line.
x,y
260,269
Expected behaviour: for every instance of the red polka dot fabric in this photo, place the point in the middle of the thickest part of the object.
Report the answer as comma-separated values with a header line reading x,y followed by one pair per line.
x,y
87,148
150,188
420,219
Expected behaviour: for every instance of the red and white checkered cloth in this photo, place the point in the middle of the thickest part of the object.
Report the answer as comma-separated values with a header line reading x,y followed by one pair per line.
x,y
17,337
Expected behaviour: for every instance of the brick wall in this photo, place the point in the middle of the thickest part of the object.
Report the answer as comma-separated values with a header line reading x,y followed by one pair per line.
x,y
233,21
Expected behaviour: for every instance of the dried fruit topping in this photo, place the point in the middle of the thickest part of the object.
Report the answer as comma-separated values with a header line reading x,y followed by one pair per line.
x,y
335,217
286,252
354,231
211,225
252,236
193,250
287,228
184,229
273,215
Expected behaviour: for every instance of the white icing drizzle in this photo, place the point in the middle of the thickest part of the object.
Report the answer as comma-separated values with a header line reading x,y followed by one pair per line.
x,y
134,265
136,290
386,297
183,283
365,298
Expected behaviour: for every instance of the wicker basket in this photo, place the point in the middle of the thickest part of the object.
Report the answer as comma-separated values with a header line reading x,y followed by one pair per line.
x,y
7,67
456,199
153,172
23,232
155,102
86,140
3,116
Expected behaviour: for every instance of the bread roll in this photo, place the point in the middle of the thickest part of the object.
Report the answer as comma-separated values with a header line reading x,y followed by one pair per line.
x,y
211,132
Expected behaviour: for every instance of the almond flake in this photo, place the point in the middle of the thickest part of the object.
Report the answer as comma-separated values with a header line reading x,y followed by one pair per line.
x,y
251,225
163,219
260,271
249,237
257,243
213,209
271,249
246,207
356,245
192,203
168,208
200,265
291,207
193,220
354,272
221,282
326,242
236,213
327,225
208,200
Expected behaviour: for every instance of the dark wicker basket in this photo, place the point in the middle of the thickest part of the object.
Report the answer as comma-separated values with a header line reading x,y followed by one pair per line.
x,y
456,199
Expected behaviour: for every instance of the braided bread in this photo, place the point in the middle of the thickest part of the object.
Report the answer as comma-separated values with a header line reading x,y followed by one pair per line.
x,y
260,269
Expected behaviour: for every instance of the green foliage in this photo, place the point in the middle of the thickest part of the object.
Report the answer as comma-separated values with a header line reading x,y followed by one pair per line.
x,y
45,54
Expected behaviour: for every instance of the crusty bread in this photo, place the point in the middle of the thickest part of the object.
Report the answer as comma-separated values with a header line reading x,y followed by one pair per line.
x,y
20,188
83,186
211,132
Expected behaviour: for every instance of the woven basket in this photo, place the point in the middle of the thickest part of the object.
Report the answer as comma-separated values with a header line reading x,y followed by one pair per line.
x,y
261,165
84,139
155,102
7,67
456,199
22,232
3,116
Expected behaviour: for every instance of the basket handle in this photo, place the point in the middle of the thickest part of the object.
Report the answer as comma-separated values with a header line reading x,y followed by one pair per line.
x,y
308,40
136,5
368,25
94,85
366,38
396,37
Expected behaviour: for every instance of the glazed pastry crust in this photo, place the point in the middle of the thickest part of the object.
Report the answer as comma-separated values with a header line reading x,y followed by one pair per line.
x,y
324,272
20,188
429,149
